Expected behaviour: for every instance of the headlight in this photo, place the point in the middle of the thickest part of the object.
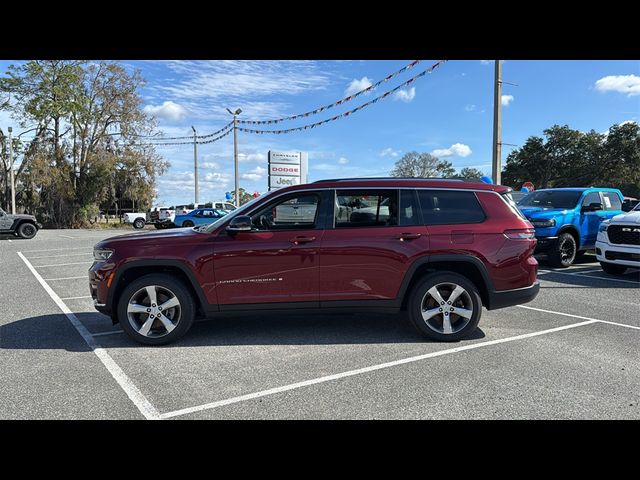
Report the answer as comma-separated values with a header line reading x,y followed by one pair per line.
x,y
543,223
102,253
603,226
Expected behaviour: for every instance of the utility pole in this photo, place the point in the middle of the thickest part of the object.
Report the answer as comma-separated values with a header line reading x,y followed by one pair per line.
x,y
13,181
195,163
496,164
235,152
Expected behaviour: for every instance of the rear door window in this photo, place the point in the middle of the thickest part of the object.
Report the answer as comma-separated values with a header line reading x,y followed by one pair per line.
x,y
611,201
450,207
366,208
409,208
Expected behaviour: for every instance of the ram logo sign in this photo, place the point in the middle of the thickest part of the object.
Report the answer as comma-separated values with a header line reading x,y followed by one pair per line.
x,y
287,168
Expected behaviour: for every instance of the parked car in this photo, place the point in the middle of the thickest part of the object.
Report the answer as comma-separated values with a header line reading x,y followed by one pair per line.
x,y
161,217
618,243
629,203
201,216
567,219
138,220
184,209
517,195
24,226
447,249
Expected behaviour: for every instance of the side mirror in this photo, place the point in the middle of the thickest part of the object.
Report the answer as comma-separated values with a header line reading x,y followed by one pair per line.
x,y
241,223
592,207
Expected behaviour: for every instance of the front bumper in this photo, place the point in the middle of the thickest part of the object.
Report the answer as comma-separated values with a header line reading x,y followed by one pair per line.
x,y
617,254
509,298
545,244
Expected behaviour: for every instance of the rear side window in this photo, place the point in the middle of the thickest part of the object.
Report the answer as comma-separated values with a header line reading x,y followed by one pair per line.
x,y
448,207
611,201
366,208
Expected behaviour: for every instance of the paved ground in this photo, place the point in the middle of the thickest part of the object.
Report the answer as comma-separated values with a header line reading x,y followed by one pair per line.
x,y
556,358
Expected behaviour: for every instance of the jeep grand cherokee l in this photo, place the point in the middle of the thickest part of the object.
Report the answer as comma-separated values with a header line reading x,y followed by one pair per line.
x,y
439,249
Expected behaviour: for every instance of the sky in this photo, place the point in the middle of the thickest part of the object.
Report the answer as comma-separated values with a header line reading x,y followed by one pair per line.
x,y
448,113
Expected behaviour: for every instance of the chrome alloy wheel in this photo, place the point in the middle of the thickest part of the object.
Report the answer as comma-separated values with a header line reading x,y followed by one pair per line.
x,y
153,311
446,308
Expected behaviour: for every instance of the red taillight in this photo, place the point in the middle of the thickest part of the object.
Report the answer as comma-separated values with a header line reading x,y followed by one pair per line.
x,y
520,234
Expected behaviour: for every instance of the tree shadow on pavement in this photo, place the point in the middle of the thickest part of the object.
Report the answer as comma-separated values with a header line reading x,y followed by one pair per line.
x,y
56,332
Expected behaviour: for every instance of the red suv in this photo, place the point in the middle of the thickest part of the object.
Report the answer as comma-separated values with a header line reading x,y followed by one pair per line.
x,y
439,249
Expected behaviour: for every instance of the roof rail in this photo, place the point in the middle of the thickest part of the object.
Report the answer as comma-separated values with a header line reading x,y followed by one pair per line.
x,y
450,179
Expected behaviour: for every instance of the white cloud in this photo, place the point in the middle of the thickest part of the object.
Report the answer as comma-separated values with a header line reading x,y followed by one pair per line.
x,y
485,62
626,84
324,167
506,100
169,111
455,150
255,174
252,157
356,85
343,161
209,166
389,152
405,95
470,107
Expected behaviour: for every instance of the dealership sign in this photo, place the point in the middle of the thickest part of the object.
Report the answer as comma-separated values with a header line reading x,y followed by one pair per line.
x,y
287,168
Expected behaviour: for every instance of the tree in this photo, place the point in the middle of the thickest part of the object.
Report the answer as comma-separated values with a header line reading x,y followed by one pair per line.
x,y
244,196
471,173
422,165
567,157
85,154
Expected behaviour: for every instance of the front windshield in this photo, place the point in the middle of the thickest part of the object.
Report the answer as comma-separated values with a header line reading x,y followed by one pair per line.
x,y
238,211
551,199
637,207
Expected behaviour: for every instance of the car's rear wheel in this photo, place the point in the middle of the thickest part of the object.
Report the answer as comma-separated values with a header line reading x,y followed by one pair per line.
x,y
187,223
612,268
156,309
138,223
445,306
564,251
27,230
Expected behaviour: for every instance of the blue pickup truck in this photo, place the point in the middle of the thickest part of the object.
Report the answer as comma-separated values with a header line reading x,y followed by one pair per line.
x,y
567,219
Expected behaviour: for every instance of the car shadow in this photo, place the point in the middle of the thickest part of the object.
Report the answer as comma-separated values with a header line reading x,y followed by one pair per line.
x,y
47,332
584,276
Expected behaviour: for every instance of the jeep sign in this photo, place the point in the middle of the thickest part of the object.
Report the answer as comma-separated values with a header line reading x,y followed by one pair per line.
x,y
287,168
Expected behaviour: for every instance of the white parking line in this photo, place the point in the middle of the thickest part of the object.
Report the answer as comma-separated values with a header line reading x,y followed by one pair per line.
x,y
136,396
76,298
350,373
66,236
56,249
64,278
579,274
64,255
102,334
62,264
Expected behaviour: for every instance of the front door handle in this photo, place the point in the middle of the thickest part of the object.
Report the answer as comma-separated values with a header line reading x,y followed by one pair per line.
x,y
302,239
408,236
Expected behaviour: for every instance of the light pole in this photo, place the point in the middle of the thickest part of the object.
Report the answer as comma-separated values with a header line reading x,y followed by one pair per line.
x,y
496,173
13,183
195,163
235,150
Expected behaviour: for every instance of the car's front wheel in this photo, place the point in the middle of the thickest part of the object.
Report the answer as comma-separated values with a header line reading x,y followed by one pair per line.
x,y
612,268
445,306
156,309
564,251
27,230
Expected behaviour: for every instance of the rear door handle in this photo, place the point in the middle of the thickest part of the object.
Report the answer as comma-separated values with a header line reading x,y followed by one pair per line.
x,y
408,236
302,239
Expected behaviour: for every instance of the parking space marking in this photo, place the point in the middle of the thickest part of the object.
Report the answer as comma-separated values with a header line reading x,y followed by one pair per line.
x,y
102,334
576,316
64,255
135,395
620,324
61,264
76,298
578,274
57,249
351,373
64,278
66,236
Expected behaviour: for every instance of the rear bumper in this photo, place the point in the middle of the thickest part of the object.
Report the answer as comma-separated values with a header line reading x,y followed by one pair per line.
x,y
509,298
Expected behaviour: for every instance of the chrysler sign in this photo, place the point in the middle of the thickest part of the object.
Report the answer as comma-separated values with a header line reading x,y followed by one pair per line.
x,y
287,169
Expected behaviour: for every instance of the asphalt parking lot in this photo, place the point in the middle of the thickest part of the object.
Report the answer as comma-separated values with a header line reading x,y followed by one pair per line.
x,y
572,353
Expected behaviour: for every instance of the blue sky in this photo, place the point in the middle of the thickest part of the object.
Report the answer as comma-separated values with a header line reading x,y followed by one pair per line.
x,y
448,113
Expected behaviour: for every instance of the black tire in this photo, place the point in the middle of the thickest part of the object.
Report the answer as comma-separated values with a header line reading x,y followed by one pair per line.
x,y
166,284
612,268
461,327
564,251
138,223
159,226
27,230
187,223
